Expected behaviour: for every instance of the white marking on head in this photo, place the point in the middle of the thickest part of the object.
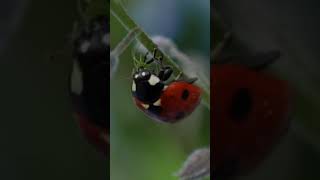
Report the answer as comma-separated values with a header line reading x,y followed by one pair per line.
x,y
85,46
146,106
133,86
157,103
136,76
76,79
153,80
143,73
105,39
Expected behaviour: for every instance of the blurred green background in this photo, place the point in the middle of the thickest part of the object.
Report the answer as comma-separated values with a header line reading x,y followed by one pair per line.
x,y
142,149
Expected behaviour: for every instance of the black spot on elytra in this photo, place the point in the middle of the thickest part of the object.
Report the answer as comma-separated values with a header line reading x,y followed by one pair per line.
x,y
241,105
185,94
180,115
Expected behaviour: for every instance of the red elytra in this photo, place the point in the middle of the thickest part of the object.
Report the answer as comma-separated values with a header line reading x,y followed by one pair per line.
x,y
249,112
96,135
178,101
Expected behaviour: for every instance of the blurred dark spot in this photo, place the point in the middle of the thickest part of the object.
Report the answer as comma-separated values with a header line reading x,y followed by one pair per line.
x,y
241,105
185,94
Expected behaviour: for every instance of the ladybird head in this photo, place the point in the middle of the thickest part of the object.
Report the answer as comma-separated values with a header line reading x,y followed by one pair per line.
x,y
141,71
91,43
141,75
89,76
139,63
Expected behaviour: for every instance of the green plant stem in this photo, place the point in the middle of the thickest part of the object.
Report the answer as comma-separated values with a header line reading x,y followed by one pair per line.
x,y
120,13
127,22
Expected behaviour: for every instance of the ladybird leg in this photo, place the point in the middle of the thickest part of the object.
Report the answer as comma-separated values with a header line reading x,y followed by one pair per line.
x,y
158,59
179,76
216,55
146,57
257,61
190,80
155,50
264,59
165,73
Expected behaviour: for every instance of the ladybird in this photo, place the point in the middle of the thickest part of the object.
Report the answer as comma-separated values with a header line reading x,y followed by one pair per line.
x,y
161,100
250,110
89,80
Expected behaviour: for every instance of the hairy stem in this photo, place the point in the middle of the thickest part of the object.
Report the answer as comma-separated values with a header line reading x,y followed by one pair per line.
x,y
122,16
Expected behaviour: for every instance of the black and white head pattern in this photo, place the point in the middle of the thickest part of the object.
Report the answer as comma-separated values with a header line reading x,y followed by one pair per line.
x,y
147,88
89,79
